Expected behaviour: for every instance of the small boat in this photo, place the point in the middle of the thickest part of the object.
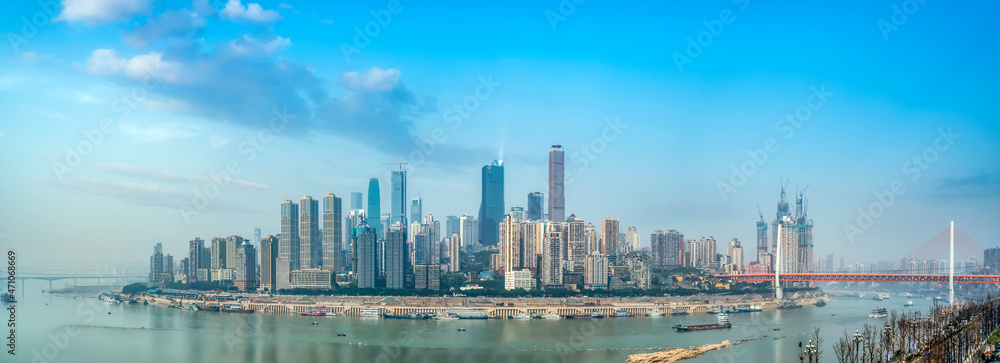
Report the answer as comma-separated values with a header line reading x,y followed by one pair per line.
x,y
522,316
821,303
880,312
6,297
315,323
655,312
461,329
908,303
679,311
834,314
596,314
787,305
109,313
341,335
715,309
676,326
551,316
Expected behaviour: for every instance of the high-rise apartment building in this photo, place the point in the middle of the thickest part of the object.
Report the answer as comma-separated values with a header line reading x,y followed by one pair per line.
x,y
245,272
454,253
364,240
491,209
552,272
374,212
290,242
395,259
268,263
469,232
332,233
535,204
511,244
576,250
310,240
632,239
398,198
194,259
787,237
595,271
609,233
557,197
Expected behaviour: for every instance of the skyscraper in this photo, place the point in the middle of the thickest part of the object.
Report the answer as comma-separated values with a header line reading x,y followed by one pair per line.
x,y
156,268
609,231
432,229
357,201
332,232
398,197
310,243
632,239
491,209
511,244
452,225
454,253
552,276
420,249
787,237
576,242
194,258
268,263
374,212
534,211
395,259
469,231
416,209
245,273
595,269
762,241
364,239
289,234
557,197
233,244
734,256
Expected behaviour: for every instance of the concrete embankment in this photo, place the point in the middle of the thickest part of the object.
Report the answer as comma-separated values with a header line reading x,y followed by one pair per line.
x,y
674,355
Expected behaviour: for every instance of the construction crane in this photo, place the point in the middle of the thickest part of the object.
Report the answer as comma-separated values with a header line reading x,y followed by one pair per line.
x,y
760,213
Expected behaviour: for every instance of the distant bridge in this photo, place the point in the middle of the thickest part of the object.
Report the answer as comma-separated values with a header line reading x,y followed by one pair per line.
x,y
938,279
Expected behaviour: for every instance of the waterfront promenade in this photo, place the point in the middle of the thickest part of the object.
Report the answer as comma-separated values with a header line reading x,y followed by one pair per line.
x,y
498,308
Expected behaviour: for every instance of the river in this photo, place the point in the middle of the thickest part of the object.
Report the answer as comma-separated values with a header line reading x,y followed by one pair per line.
x,y
64,329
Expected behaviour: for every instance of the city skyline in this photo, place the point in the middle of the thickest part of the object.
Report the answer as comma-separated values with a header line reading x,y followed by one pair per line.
x,y
693,148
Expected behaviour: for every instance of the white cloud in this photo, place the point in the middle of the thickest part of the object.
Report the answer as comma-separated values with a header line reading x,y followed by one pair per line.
x,y
286,6
251,13
160,132
245,46
109,62
218,141
101,11
375,80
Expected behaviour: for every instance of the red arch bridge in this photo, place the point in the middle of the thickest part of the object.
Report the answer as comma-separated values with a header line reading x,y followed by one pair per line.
x,y
836,277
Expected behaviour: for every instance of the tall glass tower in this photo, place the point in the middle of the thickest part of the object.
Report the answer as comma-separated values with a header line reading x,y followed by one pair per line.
x,y
557,196
356,201
374,211
491,209
289,244
534,212
398,197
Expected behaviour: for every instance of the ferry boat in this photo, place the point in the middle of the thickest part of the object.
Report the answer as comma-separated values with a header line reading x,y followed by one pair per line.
x,y
749,308
729,309
315,311
655,312
445,316
908,303
412,316
679,311
234,308
522,316
715,309
468,313
880,312
370,312
623,314
723,323
551,316
596,314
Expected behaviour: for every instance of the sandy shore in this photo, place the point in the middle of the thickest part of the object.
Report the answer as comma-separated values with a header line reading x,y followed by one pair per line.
x,y
674,355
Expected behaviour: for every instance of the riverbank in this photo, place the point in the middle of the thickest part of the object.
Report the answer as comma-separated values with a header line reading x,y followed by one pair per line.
x,y
674,355
494,308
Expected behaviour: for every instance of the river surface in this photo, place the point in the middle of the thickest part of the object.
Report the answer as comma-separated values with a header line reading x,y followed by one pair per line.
x,y
64,329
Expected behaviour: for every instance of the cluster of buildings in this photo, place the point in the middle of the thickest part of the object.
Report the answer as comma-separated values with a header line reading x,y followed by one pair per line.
x,y
536,247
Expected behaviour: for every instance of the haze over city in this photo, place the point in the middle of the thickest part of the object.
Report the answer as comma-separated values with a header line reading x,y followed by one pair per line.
x,y
648,138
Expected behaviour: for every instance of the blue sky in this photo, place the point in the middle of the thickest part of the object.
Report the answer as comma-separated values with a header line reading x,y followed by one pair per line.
x,y
189,90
